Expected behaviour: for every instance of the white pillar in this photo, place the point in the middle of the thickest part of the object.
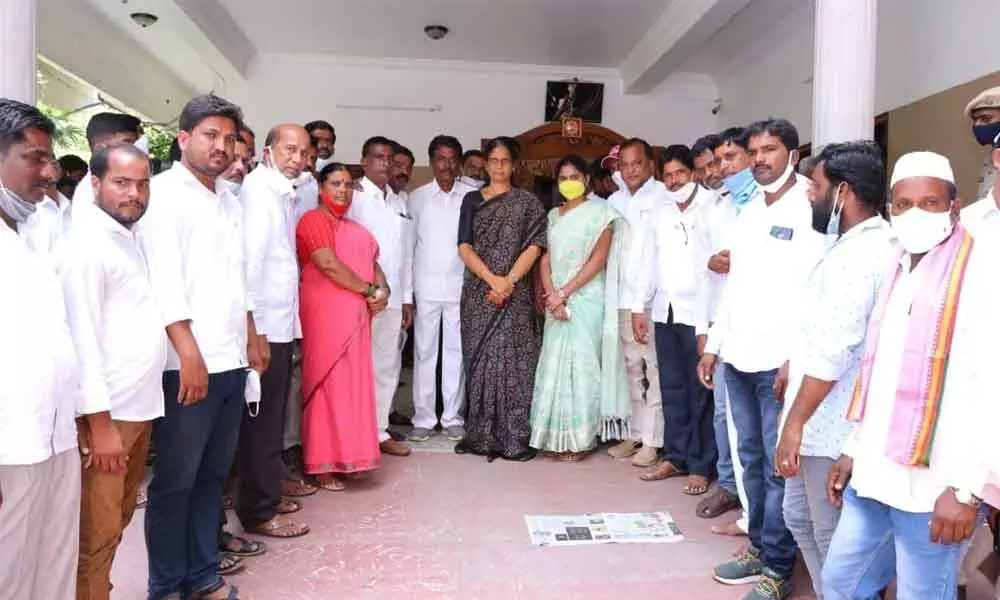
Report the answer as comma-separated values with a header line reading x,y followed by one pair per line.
x,y
18,62
844,71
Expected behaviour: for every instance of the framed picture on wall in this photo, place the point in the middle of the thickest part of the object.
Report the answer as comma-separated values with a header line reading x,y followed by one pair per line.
x,y
572,127
574,99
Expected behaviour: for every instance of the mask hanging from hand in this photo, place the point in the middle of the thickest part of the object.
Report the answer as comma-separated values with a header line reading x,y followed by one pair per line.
x,y
742,187
572,189
920,230
14,206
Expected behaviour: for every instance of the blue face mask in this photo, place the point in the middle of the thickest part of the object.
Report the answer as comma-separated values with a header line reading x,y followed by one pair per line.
x,y
986,134
742,187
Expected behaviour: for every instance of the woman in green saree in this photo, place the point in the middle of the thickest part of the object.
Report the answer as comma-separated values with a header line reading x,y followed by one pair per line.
x,y
580,391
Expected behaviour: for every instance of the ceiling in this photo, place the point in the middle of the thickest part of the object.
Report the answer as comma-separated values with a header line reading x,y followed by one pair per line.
x,y
583,33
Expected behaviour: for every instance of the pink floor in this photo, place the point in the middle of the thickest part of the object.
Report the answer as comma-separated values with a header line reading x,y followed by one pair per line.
x,y
441,526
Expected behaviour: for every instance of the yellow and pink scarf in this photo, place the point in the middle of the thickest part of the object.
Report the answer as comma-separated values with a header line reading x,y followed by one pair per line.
x,y
928,345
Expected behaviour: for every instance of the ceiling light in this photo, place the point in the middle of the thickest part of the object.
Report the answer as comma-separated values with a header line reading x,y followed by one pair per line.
x,y
436,32
144,19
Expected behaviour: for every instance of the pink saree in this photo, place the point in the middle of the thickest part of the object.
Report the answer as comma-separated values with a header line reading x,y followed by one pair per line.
x,y
339,425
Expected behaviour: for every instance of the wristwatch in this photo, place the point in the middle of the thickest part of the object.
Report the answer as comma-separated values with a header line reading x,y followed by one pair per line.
x,y
370,291
967,497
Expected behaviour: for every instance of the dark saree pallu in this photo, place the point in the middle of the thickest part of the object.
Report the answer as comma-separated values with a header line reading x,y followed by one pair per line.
x,y
500,346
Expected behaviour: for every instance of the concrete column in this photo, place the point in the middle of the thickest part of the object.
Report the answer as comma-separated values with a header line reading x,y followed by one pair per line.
x,y
844,71
18,50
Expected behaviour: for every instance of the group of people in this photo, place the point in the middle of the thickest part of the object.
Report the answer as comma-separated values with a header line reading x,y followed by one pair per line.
x,y
714,313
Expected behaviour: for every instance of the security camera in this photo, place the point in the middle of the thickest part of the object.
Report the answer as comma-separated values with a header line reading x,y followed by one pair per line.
x,y
717,106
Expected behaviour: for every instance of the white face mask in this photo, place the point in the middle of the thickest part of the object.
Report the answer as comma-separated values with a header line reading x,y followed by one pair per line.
x,y
14,206
683,193
776,185
920,230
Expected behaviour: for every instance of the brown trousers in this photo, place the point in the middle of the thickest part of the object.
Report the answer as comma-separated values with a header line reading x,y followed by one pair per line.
x,y
106,507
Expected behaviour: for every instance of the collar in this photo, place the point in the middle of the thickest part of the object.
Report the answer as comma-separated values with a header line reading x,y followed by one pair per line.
x,y
98,220
651,183
369,186
436,187
186,177
876,223
272,179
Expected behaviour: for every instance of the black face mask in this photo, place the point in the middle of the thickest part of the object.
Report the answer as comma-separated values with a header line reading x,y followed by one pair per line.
x,y
822,212
986,134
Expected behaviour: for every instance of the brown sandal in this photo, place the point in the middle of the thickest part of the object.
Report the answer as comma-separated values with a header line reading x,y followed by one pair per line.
x,y
716,504
664,470
330,483
280,527
696,485
288,506
296,488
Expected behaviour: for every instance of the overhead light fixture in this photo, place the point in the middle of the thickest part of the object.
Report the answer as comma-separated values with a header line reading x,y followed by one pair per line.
x,y
436,32
144,19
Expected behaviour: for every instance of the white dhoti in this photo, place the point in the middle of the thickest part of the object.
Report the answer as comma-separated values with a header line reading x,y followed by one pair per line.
x,y
387,359
643,377
437,322
40,528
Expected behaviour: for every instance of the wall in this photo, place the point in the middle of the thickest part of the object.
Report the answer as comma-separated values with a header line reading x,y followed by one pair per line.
x,y
924,47
938,123
477,100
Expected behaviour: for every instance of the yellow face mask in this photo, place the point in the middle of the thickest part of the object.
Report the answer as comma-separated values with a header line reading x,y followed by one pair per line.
x,y
571,189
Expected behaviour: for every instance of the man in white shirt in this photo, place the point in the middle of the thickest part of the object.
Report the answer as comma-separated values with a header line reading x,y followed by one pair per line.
x,y
193,239
602,184
847,194
270,214
437,288
718,220
986,210
924,410
774,248
74,170
638,199
122,348
105,129
239,168
984,112
671,266
402,171
40,387
324,139
384,214
473,169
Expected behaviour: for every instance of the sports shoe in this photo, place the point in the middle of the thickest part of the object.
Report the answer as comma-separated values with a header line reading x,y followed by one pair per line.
x,y
770,587
455,433
623,449
746,568
419,434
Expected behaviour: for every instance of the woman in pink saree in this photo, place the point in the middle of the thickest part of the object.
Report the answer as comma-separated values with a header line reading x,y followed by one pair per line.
x,y
342,286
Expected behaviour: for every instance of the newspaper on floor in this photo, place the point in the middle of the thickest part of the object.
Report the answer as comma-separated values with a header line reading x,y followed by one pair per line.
x,y
602,528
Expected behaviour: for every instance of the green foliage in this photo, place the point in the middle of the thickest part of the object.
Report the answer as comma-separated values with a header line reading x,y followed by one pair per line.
x,y
160,139
70,136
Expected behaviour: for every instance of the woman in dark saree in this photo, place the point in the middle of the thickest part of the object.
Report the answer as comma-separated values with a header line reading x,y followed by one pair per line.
x,y
501,235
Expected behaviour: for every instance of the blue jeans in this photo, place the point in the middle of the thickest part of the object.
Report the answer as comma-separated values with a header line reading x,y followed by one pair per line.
x,y
194,451
875,542
756,411
724,464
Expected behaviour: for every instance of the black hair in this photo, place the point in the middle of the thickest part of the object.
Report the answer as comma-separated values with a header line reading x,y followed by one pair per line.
x,y
470,153
637,143
576,161
101,160
779,128
401,149
243,127
109,123
678,152
17,117
174,155
503,141
860,166
444,141
72,162
202,107
378,140
329,170
312,126
706,143
738,136
808,164
598,172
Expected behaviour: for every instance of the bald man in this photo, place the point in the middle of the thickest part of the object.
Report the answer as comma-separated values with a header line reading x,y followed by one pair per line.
x,y
270,209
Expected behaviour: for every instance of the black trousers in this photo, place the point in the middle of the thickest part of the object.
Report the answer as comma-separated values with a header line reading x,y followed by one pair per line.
x,y
688,408
258,457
